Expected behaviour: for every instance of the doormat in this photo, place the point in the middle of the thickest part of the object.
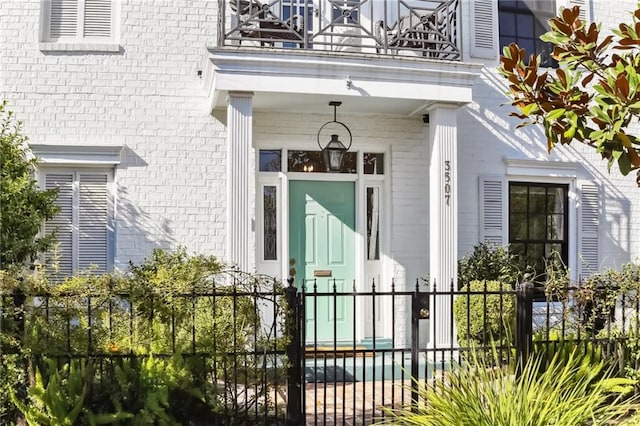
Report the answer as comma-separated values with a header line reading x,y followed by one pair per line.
x,y
328,374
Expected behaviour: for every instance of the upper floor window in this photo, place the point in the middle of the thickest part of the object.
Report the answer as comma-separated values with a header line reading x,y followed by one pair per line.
x,y
523,22
78,21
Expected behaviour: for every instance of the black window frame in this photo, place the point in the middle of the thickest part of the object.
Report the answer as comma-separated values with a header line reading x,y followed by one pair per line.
x,y
520,11
540,276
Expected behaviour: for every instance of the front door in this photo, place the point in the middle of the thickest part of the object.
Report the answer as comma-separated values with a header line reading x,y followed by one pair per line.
x,y
322,254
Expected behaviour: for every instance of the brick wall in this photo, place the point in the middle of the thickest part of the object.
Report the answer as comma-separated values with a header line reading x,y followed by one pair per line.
x,y
147,98
171,183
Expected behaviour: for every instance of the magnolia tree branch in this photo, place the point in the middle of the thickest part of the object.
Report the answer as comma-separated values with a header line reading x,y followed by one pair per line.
x,y
594,94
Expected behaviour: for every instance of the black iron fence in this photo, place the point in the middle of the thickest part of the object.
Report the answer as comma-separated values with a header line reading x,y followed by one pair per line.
x,y
248,350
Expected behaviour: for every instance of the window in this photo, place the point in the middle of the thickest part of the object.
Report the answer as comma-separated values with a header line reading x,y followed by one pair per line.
x,y
523,22
538,224
373,163
83,226
270,160
76,21
313,161
270,224
373,223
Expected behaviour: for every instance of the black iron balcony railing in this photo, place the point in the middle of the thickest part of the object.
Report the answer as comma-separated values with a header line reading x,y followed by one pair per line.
x,y
423,28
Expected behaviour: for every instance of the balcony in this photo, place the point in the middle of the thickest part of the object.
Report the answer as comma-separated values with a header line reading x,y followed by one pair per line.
x,y
416,28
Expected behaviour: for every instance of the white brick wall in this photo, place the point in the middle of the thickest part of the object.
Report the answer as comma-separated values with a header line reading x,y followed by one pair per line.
x,y
171,183
487,135
148,98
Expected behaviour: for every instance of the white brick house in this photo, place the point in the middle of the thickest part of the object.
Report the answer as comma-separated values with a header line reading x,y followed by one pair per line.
x,y
195,123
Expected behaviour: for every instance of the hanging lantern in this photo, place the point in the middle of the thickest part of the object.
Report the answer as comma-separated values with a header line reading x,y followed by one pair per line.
x,y
334,150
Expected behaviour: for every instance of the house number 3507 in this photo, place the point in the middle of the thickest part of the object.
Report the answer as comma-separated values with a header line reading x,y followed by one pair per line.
x,y
447,182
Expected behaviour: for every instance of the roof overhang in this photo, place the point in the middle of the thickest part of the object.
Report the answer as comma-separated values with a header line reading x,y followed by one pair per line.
x,y
295,79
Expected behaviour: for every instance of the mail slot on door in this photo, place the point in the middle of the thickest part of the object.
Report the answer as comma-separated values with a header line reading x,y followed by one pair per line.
x,y
322,273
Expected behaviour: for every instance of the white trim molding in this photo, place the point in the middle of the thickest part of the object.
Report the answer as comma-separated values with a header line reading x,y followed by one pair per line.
x,y
538,168
91,155
544,171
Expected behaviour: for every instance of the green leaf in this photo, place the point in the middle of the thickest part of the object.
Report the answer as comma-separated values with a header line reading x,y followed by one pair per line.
x,y
529,109
624,163
555,114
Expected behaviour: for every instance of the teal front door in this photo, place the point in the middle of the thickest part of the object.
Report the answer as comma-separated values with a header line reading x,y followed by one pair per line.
x,y
322,254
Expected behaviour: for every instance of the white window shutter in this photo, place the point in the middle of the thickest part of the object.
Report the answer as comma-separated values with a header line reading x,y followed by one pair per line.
x,y
97,18
484,29
585,13
589,258
63,19
62,224
93,222
493,223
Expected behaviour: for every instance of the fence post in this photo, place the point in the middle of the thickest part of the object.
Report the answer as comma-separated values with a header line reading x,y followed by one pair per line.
x,y
294,355
524,324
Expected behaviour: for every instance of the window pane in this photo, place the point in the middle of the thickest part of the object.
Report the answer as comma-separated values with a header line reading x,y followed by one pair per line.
x,y
553,250
527,44
537,227
525,25
270,223
373,223
518,227
508,25
518,199
313,162
535,257
373,164
559,197
555,227
270,160
537,200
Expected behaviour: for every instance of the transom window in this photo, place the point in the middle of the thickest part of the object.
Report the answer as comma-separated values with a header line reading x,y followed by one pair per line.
x,y
538,224
523,22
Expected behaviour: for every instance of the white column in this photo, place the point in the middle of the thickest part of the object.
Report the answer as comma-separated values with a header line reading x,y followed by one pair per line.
x,y
443,218
239,138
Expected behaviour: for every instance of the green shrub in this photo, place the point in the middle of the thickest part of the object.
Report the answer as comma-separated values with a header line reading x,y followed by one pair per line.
x,y
571,390
483,318
488,262
164,306
58,397
13,377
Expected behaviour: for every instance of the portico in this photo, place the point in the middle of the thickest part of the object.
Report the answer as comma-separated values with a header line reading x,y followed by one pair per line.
x,y
372,89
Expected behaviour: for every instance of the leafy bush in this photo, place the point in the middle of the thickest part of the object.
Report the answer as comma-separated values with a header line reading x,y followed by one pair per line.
x,y
592,302
488,262
59,397
13,376
570,390
154,390
24,207
483,318
172,303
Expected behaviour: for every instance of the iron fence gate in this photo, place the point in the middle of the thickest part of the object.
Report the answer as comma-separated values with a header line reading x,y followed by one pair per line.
x,y
266,364
338,382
